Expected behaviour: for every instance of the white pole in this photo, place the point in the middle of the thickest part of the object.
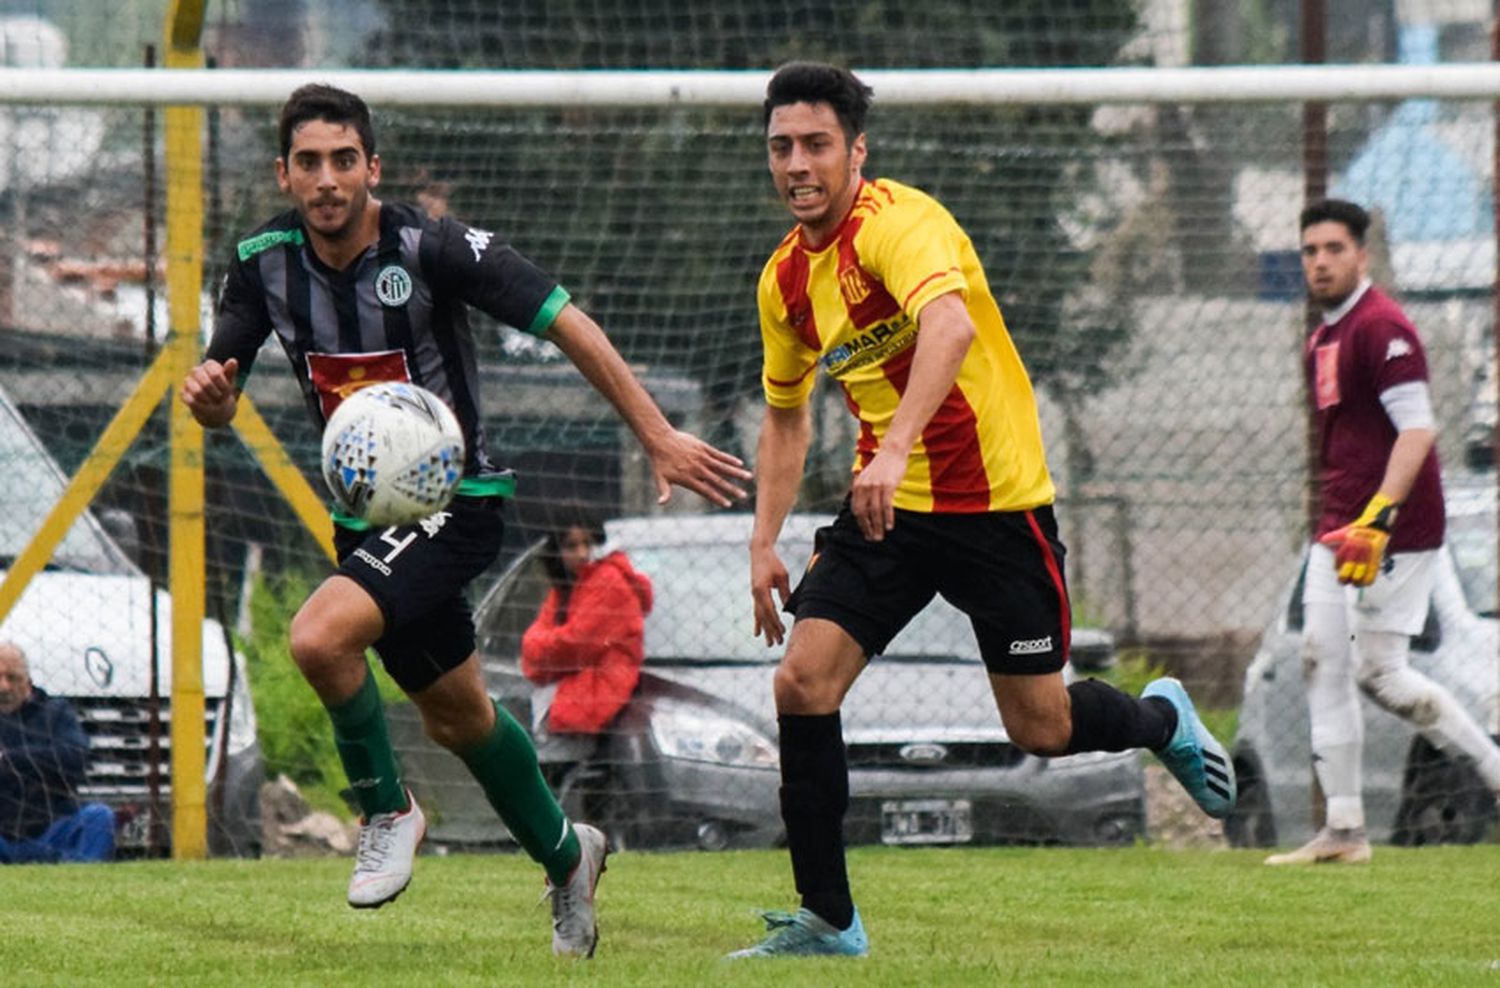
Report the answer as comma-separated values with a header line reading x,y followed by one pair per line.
x,y
1236,84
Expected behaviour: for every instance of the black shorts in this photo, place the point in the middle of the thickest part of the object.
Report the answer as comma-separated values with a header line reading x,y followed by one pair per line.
x,y
418,575
1004,569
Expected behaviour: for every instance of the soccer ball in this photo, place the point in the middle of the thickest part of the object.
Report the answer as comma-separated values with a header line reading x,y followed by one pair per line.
x,y
392,454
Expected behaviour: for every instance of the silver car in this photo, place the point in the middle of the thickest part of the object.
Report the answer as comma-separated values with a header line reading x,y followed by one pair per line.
x,y
693,760
1414,794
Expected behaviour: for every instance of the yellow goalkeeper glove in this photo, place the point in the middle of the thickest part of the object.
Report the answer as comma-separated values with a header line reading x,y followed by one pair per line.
x,y
1359,547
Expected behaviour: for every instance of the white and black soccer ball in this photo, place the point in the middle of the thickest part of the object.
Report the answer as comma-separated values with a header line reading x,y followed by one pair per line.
x,y
393,453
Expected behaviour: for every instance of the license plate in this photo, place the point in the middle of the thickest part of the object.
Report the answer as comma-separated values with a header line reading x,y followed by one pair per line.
x,y
926,821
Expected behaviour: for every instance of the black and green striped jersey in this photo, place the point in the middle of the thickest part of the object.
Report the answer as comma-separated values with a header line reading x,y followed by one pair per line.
x,y
399,312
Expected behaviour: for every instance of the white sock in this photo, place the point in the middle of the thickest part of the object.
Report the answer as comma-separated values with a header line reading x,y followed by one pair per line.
x,y
1333,707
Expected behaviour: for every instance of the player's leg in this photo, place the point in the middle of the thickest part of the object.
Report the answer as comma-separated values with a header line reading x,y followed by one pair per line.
x,y
849,604
458,714
329,637
1390,612
391,582
1337,728
822,661
820,665
1047,716
1005,570
1388,679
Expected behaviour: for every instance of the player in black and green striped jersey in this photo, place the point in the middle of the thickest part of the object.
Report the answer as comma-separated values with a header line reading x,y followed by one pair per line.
x,y
359,291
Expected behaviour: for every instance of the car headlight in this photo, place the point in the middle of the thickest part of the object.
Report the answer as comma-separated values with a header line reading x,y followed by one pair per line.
x,y
698,735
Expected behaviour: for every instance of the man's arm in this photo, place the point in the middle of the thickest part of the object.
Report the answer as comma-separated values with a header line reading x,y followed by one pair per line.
x,y
945,333
780,455
211,390
1405,462
1359,547
677,457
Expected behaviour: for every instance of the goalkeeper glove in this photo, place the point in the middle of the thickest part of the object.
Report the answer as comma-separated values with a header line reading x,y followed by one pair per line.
x,y
1359,547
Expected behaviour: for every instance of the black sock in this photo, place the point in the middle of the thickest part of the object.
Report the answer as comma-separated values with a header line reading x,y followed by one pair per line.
x,y
1105,719
814,798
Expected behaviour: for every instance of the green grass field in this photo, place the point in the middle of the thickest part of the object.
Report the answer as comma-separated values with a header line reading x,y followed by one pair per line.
x,y
1005,916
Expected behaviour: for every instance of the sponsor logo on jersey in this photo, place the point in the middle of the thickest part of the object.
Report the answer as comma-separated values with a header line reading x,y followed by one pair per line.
x,y
1397,348
251,246
871,346
393,286
479,241
336,376
1031,646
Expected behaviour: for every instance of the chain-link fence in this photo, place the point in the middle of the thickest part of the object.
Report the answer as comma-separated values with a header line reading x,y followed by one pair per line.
x,y
1145,257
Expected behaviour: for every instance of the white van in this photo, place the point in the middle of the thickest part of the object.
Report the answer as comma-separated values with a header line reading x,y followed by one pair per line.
x,y
95,632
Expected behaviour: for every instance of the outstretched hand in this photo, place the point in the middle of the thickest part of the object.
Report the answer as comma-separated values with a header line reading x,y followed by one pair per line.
x,y
687,461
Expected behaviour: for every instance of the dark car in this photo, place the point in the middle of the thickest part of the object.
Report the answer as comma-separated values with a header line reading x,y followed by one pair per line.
x,y
693,760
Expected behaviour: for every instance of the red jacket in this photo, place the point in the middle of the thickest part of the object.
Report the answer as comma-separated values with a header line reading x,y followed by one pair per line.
x,y
595,655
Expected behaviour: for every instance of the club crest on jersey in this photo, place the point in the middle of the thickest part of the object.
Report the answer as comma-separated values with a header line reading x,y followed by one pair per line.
x,y
853,284
393,286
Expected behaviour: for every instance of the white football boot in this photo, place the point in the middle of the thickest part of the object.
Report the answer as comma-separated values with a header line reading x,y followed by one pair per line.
x,y
575,926
388,844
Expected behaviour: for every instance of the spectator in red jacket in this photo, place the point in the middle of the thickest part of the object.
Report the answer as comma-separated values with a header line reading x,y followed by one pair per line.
x,y
589,636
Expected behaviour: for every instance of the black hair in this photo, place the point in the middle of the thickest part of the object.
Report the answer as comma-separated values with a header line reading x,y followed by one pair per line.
x,y
816,82
562,518
317,101
1352,216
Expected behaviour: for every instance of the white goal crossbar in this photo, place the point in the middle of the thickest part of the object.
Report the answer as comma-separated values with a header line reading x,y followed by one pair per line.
x,y
1231,84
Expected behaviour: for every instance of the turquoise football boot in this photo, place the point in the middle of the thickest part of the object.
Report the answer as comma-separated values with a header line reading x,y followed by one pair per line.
x,y
1198,761
806,934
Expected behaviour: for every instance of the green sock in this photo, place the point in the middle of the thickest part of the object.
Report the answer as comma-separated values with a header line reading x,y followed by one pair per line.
x,y
506,768
364,746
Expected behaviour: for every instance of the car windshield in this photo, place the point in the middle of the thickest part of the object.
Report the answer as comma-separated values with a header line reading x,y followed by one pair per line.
x,y
33,485
1471,536
702,609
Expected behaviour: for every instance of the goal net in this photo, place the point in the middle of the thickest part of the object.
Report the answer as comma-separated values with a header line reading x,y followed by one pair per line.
x,y
1144,252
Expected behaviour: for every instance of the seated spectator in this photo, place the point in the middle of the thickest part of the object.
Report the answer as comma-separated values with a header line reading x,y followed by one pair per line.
x,y
589,636
43,753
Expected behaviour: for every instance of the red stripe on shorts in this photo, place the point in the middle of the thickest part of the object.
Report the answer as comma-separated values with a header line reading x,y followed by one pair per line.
x,y
1057,581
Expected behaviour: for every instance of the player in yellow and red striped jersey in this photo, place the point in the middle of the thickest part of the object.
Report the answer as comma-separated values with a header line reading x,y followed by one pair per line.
x,y
880,287
848,306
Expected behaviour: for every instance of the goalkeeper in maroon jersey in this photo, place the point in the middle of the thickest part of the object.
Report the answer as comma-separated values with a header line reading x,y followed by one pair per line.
x,y
1380,527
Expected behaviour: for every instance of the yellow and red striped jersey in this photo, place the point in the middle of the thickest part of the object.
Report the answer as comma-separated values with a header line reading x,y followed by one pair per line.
x,y
851,305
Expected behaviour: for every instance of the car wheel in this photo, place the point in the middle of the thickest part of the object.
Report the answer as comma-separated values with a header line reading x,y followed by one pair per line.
x,y
1443,800
1250,823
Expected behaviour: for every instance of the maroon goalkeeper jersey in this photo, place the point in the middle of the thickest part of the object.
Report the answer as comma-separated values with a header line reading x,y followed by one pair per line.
x,y
1349,364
